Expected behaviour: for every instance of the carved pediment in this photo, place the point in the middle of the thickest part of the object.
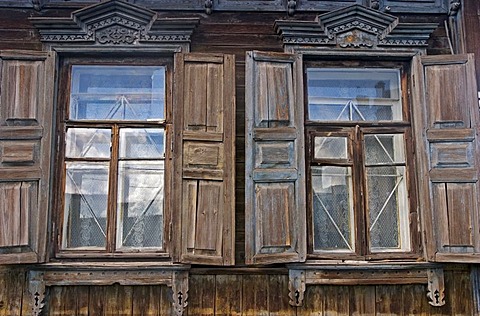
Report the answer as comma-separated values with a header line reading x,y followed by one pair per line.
x,y
114,23
355,27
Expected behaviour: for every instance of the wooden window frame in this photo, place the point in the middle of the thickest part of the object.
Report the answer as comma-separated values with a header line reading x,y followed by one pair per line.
x,y
63,122
357,130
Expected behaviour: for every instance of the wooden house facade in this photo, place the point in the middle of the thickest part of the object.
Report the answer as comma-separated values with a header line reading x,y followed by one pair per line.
x,y
233,157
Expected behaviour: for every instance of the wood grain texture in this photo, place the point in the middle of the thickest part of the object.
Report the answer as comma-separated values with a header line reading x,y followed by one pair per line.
x,y
448,167
26,107
275,216
205,157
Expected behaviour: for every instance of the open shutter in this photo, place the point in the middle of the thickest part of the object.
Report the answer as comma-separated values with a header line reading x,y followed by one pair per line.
x,y
26,105
275,212
204,153
446,122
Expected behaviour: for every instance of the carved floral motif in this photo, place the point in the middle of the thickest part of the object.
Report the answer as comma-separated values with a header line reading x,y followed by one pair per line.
x,y
117,35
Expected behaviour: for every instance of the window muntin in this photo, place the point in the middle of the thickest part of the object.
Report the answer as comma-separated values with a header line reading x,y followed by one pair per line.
x,y
358,182
354,94
114,169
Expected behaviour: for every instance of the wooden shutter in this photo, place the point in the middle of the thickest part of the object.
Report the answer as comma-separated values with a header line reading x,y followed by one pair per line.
x,y
446,118
204,154
275,219
26,106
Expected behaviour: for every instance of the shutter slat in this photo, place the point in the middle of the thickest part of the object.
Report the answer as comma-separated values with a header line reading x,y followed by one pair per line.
x,y
275,214
26,105
446,122
204,158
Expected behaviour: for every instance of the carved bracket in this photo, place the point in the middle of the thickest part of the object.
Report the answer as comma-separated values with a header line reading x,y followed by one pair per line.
x,y
436,287
180,292
208,6
36,288
291,7
296,287
454,7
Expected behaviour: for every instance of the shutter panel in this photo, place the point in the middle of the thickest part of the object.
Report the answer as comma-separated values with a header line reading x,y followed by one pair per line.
x,y
204,154
275,211
446,128
26,105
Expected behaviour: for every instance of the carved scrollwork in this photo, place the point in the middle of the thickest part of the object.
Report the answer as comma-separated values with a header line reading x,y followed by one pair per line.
x,y
436,287
36,288
454,7
180,292
296,287
291,7
375,4
117,35
208,6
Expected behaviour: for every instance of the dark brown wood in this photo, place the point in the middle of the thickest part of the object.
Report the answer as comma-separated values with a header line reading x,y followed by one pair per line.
x,y
446,125
204,166
26,107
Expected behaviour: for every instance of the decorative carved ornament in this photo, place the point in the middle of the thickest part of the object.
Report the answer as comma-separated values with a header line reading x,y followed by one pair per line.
x,y
114,23
355,27
173,276
303,275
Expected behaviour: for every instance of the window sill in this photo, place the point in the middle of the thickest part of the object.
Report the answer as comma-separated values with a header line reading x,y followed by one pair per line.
x,y
366,273
174,276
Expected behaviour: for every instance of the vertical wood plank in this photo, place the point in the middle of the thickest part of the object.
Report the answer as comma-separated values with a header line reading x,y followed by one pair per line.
x,y
228,298
461,291
362,300
255,295
314,302
413,296
97,300
11,292
278,296
388,300
201,298
337,300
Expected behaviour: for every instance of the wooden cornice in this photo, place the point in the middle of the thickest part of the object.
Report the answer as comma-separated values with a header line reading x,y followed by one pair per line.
x,y
115,23
355,27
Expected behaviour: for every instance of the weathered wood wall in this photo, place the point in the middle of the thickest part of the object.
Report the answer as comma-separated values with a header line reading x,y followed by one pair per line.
x,y
211,293
240,294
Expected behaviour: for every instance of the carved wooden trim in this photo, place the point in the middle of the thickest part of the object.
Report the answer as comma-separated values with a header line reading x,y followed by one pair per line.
x,y
208,6
291,7
180,292
355,27
436,287
147,273
366,274
115,23
455,6
36,289
296,287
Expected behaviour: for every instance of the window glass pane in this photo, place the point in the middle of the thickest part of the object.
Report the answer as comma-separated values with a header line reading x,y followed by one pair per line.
x,y
333,217
384,149
353,94
85,213
88,143
140,204
331,148
388,208
117,93
141,143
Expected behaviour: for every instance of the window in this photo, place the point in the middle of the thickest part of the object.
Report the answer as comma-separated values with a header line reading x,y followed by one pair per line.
x,y
114,158
358,162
